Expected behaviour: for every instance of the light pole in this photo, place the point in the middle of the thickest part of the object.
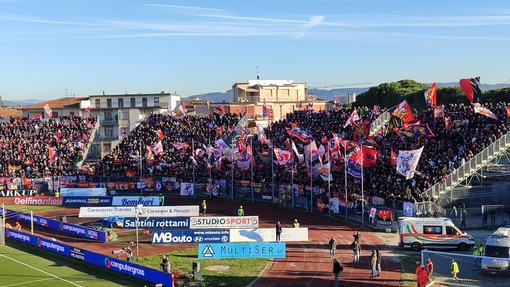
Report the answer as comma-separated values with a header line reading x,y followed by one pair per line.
x,y
137,222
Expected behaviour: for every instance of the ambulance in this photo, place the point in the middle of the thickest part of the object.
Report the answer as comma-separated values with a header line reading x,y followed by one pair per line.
x,y
496,257
434,233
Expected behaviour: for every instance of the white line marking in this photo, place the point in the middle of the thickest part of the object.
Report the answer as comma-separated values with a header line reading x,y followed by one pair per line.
x,y
29,282
42,271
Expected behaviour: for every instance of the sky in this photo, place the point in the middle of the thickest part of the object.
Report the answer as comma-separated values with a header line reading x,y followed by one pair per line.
x,y
56,48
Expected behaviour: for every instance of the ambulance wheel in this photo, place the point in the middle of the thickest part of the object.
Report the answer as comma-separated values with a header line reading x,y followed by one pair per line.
x,y
416,246
462,246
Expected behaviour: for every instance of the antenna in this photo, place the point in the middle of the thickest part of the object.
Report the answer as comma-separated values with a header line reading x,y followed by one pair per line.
x,y
257,72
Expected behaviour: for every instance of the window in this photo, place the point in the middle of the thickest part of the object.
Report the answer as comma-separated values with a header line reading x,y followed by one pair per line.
x,y
98,103
133,102
108,103
432,229
107,147
156,101
121,102
144,102
108,116
108,132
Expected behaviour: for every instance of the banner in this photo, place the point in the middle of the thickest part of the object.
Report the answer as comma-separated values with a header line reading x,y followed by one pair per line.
x,y
150,211
135,200
407,161
224,222
157,223
12,193
268,235
83,192
241,250
87,201
190,236
38,200
187,189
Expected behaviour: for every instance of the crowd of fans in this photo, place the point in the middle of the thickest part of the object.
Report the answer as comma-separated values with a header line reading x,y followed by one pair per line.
x,y
25,145
187,144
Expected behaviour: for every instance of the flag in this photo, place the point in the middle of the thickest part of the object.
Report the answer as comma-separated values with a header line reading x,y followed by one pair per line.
x,y
361,130
262,135
48,111
245,159
334,149
352,118
264,110
484,111
407,161
430,96
403,111
417,130
87,109
447,122
220,110
299,132
508,111
312,157
337,100
300,157
282,156
439,111
53,154
393,158
80,145
179,112
35,119
158,148
160,134
471,88
130,173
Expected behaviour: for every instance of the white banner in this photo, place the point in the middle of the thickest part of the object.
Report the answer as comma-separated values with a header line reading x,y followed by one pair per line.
x,y
135,200
224,222
268,235
145,211
83,191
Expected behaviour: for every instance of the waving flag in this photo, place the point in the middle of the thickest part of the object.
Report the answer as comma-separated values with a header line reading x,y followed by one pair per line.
x,y
439,111
160,134
220,110
352,118
245,159
430,96
48,111
35,119
300,156
471,88
407,161
53,154
158,148
403,111
312,157
282,156
262,135
80,145
179,112
417,130
334,149
484,111
299,132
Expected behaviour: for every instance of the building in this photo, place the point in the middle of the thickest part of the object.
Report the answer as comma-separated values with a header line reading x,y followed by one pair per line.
x,y
120,114
58,107
270,100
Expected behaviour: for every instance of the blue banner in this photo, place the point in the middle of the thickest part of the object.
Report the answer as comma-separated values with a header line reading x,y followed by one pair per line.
x,y
87,201
190,236
115,265
241,250
69,228
157,222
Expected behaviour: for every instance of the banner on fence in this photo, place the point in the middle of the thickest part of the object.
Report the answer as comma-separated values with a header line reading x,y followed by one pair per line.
x,y
83,191
157,222
268,235
241,250
224,222
145,211
87,201
190,236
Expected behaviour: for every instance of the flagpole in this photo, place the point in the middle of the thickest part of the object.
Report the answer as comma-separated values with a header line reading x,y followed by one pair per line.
x,y
329,182
345,183
251,165
193,164
311,183
362,191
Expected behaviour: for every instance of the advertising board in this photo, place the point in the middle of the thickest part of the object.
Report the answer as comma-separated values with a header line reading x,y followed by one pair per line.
x,y
241,250
224,222
145,211
157,222
87,201
268,235
135,200
99,191
190,236
38,200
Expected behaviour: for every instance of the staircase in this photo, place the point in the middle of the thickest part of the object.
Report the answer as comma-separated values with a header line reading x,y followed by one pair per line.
x,y
442,190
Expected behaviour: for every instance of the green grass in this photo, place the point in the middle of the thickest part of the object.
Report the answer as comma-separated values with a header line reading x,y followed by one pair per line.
x,y
408,264
18,263
241,272
34,208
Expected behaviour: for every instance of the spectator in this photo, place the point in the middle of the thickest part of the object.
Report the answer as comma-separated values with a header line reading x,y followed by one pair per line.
x,y
356,249
332,247
379,258
278,229
373,264
296,223
337,268
129,254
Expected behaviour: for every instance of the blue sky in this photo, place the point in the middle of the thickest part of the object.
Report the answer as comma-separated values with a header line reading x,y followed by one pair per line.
x,y
53,48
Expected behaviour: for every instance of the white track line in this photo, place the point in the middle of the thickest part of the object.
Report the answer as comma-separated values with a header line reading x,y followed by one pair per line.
x,y
42,271
29,282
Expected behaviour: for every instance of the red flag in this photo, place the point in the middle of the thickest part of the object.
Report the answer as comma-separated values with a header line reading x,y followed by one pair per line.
x,y
393,158
48,111
220,110
430,95
87,109
484,111
403,111
508,112
471,88
160,134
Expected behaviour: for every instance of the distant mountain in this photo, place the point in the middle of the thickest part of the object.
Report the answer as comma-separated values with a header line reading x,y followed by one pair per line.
x,y
20,102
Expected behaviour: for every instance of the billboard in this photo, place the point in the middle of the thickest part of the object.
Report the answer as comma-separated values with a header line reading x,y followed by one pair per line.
x,y
83,191
190,236
224,222
157,222
268,235
135,200
38,200
87,201
145,211
241,250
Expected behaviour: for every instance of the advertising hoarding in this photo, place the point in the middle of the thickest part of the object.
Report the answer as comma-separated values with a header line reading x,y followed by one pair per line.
x,y
241,250
190,236
224,222
268,235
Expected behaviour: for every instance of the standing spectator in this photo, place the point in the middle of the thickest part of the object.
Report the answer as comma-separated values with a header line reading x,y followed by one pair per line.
x,y
332,247
278,229
240,211
356,249
204,206
379,258
296,223
373,264
464,216
165,264
430,269
337,268
454,269
423,276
